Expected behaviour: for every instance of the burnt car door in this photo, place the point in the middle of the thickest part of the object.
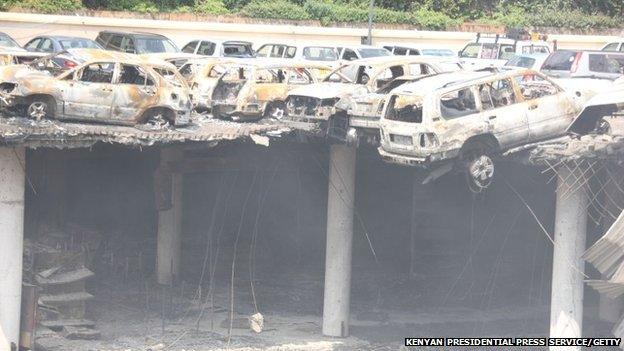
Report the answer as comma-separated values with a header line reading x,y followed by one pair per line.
x,y
503,111
135,90
385,76
270,84
549,109
90,94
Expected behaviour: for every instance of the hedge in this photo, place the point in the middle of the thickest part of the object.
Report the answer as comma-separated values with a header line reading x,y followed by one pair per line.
x,y
425,14
274,9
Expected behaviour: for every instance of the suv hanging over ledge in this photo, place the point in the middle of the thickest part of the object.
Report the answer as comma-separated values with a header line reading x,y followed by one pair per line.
x,y
470,117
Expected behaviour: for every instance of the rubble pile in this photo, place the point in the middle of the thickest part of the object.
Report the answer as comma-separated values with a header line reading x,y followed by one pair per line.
x,y
57,265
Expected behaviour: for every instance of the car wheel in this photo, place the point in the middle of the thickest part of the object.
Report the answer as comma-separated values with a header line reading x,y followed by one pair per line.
x,y
603,126
40,108
275,110
157,120
478,168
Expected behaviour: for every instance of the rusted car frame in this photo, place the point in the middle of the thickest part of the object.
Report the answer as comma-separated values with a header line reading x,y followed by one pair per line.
x,y
253,90
125,91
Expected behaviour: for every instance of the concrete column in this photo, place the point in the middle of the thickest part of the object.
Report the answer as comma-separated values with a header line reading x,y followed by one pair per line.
x,y
12,163
340,206
566,307
609,309
169,241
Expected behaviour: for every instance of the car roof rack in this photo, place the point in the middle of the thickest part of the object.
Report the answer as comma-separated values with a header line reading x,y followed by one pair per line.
x,y
487,35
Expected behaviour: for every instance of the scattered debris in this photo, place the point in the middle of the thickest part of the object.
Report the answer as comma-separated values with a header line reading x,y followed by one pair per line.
x,y
260,139
256,322
57,266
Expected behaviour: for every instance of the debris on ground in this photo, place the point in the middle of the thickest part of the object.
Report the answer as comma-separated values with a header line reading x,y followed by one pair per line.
x,y
256,322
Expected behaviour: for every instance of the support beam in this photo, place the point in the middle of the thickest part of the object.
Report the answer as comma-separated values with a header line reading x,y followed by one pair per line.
x,y
12,165
566,307
169,241
340,207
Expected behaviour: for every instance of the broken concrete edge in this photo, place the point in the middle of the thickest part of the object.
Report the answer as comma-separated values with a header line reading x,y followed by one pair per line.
x,y
78,137
591,146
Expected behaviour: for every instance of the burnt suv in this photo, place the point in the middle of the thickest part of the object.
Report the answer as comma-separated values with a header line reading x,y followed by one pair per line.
x,y
466,118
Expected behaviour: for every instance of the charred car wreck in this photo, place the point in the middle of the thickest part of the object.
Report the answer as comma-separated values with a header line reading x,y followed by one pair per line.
x,y
123,90
466,119
323,106
250,91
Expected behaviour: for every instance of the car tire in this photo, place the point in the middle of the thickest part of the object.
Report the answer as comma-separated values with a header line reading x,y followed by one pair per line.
x,y
275,110
158,119
478,167
40,107
603,127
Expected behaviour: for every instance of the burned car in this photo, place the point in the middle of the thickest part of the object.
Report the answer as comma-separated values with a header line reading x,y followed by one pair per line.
x,y
202,76
8,58
257,89
175,58
323,106
466,118
364,111
117,91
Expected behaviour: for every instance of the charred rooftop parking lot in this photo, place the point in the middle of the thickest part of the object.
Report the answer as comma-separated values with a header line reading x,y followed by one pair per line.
x,y
248,206
185,201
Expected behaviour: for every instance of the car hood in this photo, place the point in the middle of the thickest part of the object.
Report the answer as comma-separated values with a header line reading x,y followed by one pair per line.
x,y
325,90
601,105
13,72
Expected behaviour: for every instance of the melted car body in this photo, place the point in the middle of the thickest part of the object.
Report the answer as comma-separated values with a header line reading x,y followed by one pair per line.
x,y
114,90
318,104
248,91
459,112
202,75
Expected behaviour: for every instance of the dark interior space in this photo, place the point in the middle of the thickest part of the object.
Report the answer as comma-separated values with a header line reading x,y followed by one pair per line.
x,y
428,260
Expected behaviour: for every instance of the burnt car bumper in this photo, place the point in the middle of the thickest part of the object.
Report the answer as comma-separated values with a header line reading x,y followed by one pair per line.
x,y
402,159
413,160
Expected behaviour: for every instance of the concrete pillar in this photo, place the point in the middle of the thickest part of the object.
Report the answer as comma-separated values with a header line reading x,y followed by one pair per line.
x,y
12,163
566,307
340,206
609,309
169,241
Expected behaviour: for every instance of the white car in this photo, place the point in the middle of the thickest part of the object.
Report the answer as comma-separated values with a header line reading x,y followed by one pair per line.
x,y
469,117
530,61
219,48
494,51
358,52
309,52
422,50
617,45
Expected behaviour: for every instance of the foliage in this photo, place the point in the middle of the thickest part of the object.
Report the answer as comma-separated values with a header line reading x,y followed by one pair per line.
x,y
426,14
235,5
433,20
144,7
50,6
572,19
276,9
212,7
